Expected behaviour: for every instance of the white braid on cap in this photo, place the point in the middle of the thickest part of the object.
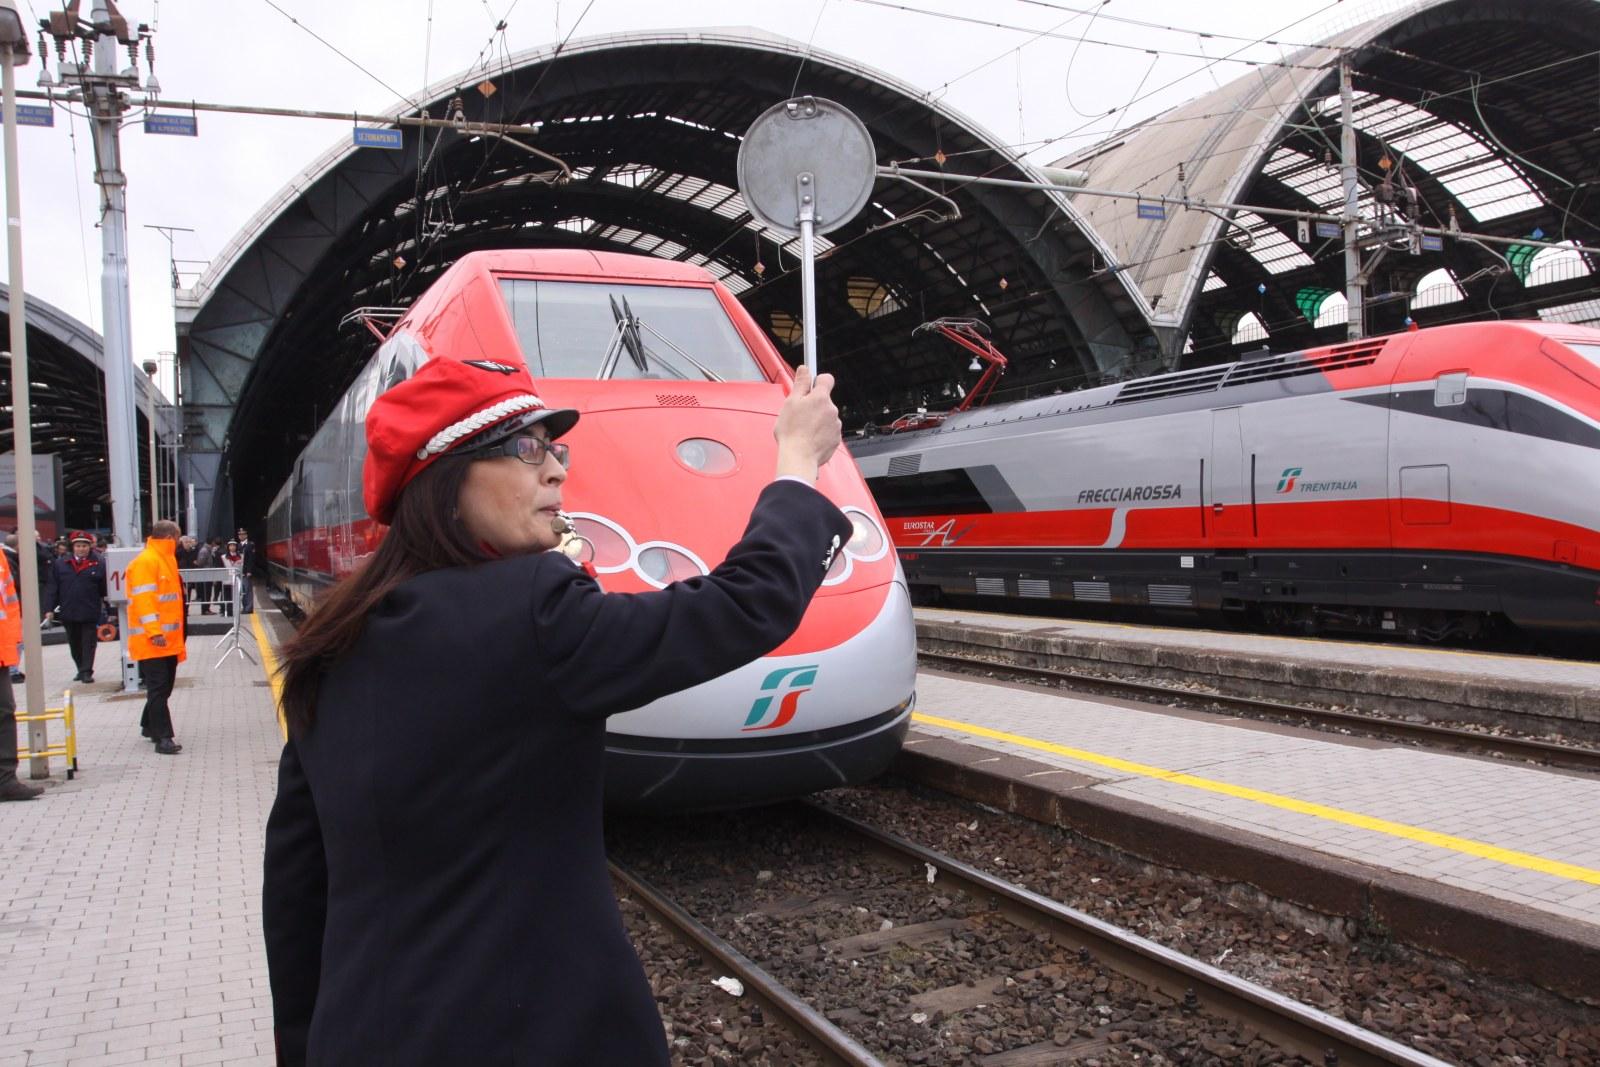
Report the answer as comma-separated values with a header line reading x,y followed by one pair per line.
x,y
441,441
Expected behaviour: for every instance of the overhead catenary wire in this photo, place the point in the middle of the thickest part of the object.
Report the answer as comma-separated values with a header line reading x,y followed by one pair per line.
x,y
994,24
810,41
427,247
341,54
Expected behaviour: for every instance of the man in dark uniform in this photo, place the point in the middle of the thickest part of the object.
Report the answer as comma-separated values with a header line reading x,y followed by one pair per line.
x,y
436,888
247,552
74,594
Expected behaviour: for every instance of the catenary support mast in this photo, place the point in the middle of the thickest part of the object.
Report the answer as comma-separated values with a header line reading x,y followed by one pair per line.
x,y
1352,192
105,100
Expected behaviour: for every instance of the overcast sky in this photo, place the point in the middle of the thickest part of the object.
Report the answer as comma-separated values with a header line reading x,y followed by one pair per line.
x,y
1025,85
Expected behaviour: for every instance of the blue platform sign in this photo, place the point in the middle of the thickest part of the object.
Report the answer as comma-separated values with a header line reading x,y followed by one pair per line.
x,y
172,125
35,115
1152,211
1328,229
1432,242
368,137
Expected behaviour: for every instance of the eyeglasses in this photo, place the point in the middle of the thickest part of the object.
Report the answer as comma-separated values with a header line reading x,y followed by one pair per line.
x,y
529,449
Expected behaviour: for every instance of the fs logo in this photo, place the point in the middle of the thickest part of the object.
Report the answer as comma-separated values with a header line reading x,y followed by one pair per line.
x,y
1286,483
789,682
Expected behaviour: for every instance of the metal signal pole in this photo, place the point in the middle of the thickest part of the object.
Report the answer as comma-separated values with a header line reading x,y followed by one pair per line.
x,y
103,95
1352,192
13,53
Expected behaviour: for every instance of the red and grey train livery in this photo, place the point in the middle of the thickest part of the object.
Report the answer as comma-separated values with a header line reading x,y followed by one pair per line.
x,y
679,389
1433,483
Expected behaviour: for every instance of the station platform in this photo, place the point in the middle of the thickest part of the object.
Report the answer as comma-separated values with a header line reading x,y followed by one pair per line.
x,y
1536,694
1466,855
130,897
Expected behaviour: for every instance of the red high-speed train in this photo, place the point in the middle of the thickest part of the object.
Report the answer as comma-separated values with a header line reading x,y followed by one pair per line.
x,y
1435,483
679,389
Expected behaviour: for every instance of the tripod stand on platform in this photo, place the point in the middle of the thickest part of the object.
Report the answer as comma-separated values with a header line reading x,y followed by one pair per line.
x,y
233,638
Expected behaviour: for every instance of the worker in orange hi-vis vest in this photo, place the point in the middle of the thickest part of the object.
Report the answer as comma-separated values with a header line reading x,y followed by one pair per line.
x,y
10,639
155,629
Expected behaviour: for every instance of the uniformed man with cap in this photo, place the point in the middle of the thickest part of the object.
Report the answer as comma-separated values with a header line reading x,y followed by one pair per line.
x,y
75,590
436,887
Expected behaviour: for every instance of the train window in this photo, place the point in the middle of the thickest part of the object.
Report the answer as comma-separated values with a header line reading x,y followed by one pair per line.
x,y
398,359
946,492
567,330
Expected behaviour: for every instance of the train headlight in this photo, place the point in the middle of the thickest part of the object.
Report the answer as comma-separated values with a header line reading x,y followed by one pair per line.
x,y
610,549
867,542
705,456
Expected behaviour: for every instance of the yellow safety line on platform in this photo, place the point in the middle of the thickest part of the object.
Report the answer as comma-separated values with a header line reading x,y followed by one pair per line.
x,y
1508,856
269,662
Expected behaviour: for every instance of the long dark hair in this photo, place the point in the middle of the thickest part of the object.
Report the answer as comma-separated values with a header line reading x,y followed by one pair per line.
x,y
425,536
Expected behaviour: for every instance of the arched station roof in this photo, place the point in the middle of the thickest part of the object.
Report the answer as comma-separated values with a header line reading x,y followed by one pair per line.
x,y
650,124
66,377
1487,107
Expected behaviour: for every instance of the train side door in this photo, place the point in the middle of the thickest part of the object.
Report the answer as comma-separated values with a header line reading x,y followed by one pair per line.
x,y
1228,495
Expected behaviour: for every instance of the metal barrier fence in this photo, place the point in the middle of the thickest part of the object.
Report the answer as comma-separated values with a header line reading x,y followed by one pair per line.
x,y
226,589
67,749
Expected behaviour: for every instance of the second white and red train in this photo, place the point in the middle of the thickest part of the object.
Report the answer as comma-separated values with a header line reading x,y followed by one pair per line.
x,y
1433,483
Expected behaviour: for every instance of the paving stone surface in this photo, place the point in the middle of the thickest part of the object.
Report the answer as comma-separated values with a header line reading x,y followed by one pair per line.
x,y
1551,816
130,898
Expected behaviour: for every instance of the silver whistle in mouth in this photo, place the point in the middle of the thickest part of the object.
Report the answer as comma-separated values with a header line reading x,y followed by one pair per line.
x,y
573,545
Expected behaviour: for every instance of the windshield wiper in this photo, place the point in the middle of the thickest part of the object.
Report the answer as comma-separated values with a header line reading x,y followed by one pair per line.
x,y
629,335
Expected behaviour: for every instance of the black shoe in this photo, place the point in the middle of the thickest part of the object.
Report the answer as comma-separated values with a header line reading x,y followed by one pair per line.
x,y
15,790
18,676
168,747
88,677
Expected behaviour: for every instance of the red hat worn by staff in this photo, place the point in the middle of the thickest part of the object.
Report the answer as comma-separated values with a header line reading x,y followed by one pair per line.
x,y
445,405
79,535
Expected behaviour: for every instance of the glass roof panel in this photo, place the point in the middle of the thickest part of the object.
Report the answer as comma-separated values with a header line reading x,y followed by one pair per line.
x,y
1213,282
1315,180
1269,247
1473,171
1582,313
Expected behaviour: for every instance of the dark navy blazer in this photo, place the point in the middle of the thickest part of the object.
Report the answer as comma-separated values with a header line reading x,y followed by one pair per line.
x,y
78,593
436,888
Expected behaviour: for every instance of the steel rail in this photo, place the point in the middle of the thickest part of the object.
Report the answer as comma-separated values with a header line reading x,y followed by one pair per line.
x,y
1192,984
835,1046
1473,741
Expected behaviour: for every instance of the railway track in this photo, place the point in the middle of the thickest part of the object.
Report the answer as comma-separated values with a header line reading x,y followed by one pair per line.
x,y
832,1044
1477,742
1044,983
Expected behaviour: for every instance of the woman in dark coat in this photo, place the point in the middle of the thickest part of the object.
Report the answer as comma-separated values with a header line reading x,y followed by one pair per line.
x,y
436,889
75,589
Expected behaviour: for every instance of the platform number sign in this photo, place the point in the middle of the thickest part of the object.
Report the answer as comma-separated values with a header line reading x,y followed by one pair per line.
x,y
117,560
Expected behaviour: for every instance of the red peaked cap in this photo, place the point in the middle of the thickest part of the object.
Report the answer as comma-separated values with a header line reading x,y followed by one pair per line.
x,y
79,535
445,404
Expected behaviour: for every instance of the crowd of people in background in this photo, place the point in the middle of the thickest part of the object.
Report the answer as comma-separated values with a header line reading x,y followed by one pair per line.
x,y
72,578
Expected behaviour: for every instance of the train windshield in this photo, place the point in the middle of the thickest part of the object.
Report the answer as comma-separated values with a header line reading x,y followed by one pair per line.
x,y
614,330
